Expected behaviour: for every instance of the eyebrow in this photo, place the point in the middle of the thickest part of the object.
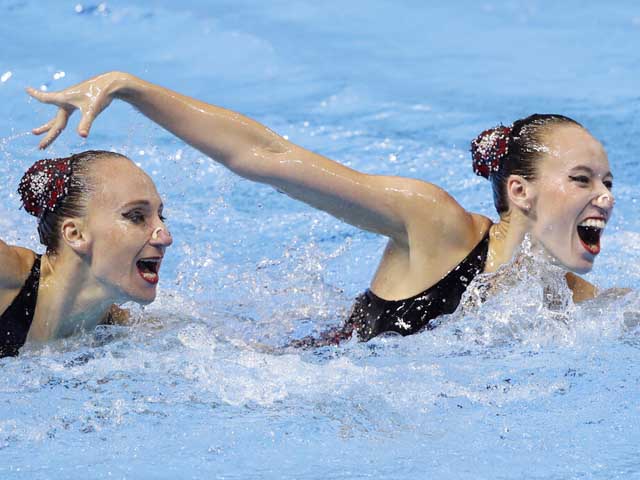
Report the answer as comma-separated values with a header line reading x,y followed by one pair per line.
x,y
141,203
590,170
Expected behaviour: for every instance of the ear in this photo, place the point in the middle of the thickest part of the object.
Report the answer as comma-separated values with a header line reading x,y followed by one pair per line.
x,y
74,235
521,193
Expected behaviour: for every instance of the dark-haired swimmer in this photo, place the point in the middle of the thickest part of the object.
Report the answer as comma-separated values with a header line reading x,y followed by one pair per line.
x,y
551,179
100,219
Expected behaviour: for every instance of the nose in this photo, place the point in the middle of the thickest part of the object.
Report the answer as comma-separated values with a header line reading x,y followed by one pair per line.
x,y
605,200
161,237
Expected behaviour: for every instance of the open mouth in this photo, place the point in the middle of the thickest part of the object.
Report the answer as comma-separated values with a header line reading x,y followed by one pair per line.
x,y
589,232
148,269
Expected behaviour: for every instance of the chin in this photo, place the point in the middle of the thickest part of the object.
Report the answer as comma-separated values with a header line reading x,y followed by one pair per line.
x,y
582,270
579,261
145,299
581,267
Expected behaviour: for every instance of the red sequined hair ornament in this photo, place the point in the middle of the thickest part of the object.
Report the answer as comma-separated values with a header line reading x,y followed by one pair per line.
x,y
44,185
488,149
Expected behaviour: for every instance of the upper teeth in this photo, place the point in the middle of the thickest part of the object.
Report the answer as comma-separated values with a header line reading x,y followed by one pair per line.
x,y
593,222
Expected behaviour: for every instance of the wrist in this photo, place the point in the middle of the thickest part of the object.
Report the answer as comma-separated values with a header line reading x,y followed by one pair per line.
x,y
123,85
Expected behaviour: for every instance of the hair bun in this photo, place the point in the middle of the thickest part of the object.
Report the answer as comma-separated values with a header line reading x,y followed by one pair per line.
x,y
488,149
44,185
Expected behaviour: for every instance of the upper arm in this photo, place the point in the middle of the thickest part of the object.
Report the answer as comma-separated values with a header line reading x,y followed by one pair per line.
x,y
389,205
15,264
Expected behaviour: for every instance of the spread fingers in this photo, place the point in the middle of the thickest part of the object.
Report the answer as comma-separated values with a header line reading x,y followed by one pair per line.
x,y
44,97
55,127
43,128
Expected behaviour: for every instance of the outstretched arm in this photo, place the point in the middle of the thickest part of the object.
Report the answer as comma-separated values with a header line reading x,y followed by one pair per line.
x,y
380,204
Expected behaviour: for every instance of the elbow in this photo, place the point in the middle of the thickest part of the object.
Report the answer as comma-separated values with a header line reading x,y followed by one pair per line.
x,y
257,164
243,164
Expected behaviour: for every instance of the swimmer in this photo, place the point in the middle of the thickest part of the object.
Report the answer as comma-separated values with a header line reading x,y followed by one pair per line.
x,y
551,179
100,219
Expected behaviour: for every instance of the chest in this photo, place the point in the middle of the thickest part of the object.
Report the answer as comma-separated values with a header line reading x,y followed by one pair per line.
x,y
402,274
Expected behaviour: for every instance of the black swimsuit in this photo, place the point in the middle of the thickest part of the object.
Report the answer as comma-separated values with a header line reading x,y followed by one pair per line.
x,y
372,315
16,320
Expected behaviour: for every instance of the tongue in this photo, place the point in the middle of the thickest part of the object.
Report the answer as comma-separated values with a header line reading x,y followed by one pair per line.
x,y
147,274
150,276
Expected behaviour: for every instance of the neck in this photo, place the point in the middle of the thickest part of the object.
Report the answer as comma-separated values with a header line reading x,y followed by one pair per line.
x,y
506,237
70,298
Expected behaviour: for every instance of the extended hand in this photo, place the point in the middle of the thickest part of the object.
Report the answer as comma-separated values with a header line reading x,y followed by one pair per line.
x,y
90,97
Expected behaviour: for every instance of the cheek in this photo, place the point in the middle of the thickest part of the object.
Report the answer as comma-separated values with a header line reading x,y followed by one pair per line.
x,y
115,234
117,237
552,188
555,200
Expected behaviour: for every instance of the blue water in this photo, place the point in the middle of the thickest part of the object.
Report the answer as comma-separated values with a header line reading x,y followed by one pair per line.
x,y
199,388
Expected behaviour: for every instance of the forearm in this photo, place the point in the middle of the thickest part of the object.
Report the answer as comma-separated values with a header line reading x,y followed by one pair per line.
x,y
386,205
226,136
251,150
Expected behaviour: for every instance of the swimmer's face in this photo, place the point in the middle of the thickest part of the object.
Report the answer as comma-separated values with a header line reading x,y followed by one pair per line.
x,y
572,200
126,232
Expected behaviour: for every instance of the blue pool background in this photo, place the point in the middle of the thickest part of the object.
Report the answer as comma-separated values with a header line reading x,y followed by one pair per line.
x,y
199,388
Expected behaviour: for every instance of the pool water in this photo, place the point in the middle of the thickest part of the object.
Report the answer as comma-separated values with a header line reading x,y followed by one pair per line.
x,y
201,387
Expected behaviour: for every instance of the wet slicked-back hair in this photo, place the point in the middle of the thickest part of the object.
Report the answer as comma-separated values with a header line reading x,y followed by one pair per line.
x,y
525,148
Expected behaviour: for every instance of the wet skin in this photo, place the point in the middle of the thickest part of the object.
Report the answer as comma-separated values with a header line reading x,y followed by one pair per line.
x,y
429,232
123,215
574,184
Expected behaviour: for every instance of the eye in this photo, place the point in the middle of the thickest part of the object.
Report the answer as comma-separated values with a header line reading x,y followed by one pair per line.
x,y
608,184
162,218
135,216
580,179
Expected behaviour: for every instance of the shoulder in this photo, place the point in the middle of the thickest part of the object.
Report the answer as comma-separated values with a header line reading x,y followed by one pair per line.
x,y
435,216
16,264
116,316
582,290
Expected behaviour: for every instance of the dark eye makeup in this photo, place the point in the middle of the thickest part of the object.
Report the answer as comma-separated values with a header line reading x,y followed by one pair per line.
x,y
583,179
579,178
135,216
